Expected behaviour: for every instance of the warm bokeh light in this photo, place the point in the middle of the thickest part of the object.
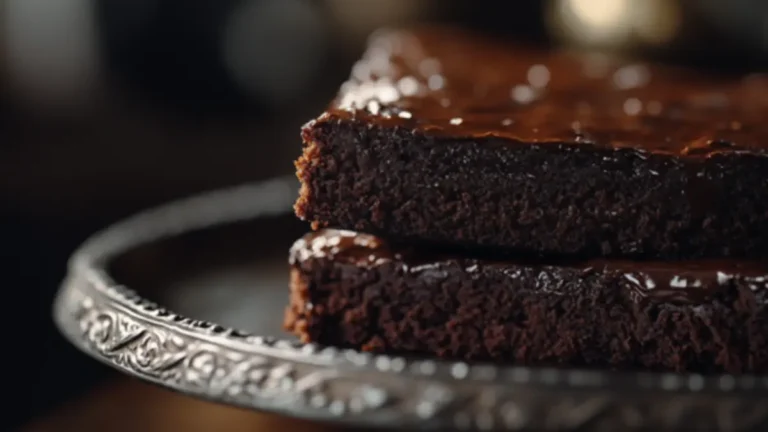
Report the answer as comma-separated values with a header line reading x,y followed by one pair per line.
x,y
615,23
657,21
599,14
605,22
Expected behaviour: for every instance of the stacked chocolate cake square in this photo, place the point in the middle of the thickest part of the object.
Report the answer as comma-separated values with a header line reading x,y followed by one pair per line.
x,y
477,200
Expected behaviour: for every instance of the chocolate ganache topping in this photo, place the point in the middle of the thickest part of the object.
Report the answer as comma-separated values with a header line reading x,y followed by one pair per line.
x,y
445,81
683,282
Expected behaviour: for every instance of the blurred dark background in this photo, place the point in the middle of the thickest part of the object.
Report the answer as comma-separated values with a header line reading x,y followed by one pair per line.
x,y
108,107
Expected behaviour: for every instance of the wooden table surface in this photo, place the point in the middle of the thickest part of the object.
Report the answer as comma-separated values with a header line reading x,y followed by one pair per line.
x,y
128,405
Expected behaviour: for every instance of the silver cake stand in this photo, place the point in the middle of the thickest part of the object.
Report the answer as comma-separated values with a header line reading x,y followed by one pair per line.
x,y
119,326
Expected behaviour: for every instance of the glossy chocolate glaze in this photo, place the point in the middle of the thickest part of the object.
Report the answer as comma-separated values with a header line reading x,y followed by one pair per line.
x,y
447,82
684,282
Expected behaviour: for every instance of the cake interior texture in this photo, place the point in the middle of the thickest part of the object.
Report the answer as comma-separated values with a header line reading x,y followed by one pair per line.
x,y
358,291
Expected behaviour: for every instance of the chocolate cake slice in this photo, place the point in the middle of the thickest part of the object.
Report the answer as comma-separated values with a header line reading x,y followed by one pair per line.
x,y
445,137
357,291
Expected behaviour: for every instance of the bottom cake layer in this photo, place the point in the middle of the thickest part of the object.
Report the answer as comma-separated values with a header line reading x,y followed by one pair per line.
x,y
356,291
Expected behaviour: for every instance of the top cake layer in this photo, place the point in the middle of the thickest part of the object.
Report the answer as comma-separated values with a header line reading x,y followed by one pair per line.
x,y
447,82
448,138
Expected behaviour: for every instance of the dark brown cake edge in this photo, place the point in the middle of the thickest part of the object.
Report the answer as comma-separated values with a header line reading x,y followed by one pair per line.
x,y
296,313
309,155
540,198
483,315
